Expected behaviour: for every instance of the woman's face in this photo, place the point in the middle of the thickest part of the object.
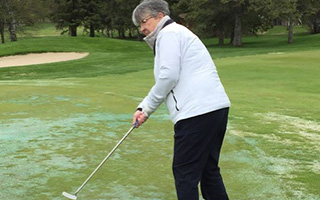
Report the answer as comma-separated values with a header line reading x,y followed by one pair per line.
x,y
149,23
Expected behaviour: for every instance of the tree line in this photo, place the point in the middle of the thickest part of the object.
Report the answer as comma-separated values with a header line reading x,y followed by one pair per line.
x,y
14,13
213,18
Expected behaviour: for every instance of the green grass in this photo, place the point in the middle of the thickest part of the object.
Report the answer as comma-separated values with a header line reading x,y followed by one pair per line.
x,y
38,30
59,120
274,41
107,56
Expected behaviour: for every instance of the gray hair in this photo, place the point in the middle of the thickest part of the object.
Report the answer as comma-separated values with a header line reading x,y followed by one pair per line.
x,y
151,8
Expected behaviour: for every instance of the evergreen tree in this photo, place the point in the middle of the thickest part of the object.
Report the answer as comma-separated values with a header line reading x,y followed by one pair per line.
x,y
67,14
92,18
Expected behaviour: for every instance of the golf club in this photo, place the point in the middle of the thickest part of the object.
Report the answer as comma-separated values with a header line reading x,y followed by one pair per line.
x,y
74,196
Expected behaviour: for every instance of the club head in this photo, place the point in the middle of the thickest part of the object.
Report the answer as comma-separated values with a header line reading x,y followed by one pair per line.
x,y
70,196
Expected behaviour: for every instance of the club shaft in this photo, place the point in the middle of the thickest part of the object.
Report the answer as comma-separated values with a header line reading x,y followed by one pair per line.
x,y
105,159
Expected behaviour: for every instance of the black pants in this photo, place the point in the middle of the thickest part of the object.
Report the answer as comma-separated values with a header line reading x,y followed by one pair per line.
x,y
197,144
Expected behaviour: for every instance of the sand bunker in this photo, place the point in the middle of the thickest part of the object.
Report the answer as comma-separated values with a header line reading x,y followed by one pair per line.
x,y
39,58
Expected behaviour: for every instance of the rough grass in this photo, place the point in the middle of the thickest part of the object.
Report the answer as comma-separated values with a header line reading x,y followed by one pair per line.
x,y
58,121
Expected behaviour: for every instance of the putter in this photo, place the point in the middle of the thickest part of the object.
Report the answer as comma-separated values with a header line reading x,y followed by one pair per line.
x,y
74,196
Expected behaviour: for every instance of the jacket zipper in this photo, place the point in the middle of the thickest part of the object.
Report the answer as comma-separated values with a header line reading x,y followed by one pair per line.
x,y
175,100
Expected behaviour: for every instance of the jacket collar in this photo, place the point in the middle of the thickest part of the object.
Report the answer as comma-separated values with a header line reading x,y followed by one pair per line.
x,y
151,38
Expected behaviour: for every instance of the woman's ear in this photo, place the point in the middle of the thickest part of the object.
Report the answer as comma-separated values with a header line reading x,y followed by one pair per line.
x,y
160,15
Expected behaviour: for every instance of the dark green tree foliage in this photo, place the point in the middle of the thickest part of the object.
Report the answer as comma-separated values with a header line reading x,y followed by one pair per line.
x,y
68,14
95,15
226,18
122,18
206,17
174,12
107,12
310,10
34,11
239,9
260,16
92,19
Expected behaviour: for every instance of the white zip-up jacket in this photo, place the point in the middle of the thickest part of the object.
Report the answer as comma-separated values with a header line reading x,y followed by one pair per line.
x,y
186,78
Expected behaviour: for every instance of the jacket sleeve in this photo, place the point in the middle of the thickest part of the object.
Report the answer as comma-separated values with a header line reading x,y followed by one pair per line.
x,y
168,58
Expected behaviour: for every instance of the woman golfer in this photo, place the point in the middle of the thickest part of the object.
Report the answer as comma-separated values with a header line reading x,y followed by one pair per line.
x,y
186,79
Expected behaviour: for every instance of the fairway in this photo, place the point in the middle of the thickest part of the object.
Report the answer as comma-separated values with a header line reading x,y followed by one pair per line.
x,y
58,121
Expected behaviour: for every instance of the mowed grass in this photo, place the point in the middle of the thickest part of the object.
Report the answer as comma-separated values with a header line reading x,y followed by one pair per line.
x,y
59,120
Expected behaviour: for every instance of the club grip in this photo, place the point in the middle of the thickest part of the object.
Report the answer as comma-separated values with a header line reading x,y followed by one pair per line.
x,y
136,124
